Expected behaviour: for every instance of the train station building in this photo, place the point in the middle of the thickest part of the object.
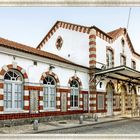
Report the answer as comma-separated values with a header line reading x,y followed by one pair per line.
x,y
74,70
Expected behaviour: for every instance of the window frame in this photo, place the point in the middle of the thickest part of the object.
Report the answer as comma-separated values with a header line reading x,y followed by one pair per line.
x,y
109,57
133,64
103,101
72,88
13,84
123,45
123,63
49,86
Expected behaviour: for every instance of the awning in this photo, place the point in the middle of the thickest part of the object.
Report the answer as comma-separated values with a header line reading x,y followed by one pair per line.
x,y
121,73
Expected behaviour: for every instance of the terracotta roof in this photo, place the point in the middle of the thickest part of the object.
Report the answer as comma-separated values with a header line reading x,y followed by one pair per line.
x,y
116,33
101,31
52,30
31,50
122,31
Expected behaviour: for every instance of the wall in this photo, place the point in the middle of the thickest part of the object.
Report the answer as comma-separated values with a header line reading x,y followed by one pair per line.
x,y
63,71
35,72
101,51
74,43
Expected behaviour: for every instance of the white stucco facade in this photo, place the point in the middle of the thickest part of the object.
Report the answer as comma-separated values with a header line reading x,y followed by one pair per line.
x,y
75,46
116,45
117,48
35,72
87,53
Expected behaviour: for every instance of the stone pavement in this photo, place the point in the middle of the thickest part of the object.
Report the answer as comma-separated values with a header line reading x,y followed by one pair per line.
x,y
57,125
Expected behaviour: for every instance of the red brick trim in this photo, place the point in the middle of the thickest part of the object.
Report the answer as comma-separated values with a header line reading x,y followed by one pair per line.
x,y
2,72
92,62
92,43
92,49
103,36
75,78
1,97
1,108
58,107
63,90
40,114
81,106
40,107
26,107
92,55
101,111
92,105
40,98
65,25
92,36
33,88
10,66
26,97
57,98
51,74
1,85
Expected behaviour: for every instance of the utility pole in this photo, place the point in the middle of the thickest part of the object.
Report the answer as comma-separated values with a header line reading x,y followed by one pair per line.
x,y
128,18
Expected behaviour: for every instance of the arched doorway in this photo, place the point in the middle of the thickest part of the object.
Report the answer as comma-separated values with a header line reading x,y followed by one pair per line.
x,y
133,92
110,90
123,101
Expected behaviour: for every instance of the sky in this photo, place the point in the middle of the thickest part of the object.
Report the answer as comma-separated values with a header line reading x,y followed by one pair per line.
x,y
28,25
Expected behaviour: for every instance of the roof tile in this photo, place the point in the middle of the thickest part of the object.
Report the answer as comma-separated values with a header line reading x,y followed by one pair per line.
x,y
31,50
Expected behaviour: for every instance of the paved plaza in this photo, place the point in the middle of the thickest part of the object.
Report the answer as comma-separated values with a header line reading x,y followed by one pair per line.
x,y
131,126
104,125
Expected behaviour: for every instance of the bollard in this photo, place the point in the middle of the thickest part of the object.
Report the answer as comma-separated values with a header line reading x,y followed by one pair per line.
x,y
35,125
81,119
95,117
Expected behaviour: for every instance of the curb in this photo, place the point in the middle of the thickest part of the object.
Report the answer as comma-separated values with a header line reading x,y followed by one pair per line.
x,y
75,127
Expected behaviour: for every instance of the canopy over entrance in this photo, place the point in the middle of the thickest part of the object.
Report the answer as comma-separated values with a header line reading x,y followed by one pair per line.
x,y
121,73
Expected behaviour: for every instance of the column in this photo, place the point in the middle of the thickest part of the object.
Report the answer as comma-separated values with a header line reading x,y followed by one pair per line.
x,y
92,65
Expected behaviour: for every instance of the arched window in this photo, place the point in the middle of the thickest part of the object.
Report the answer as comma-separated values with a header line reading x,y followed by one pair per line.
x,y
74,96
109,58
49,93
13,90
123,45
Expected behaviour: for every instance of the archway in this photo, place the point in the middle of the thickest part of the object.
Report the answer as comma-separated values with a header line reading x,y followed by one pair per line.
x,y
110,90
123,101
